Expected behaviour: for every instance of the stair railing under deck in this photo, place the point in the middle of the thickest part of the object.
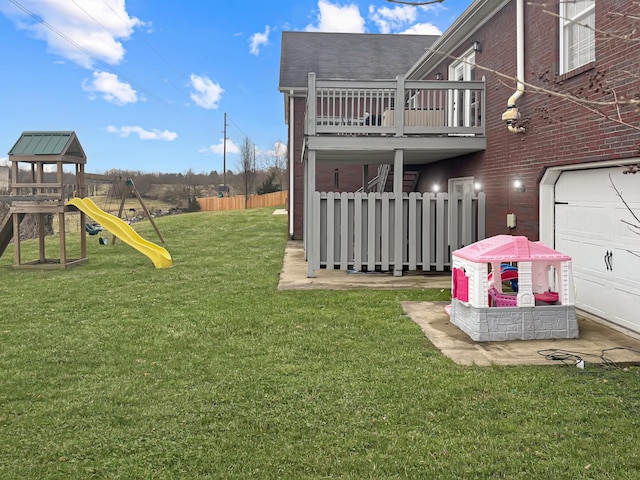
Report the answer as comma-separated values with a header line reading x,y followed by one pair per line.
x,y
383,174
380,180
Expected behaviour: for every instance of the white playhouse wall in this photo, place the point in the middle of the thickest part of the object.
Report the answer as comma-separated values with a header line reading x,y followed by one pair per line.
x,y
477,274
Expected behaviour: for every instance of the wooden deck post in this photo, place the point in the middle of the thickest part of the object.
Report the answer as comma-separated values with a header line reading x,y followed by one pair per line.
x,y
398,169
313,214
16,239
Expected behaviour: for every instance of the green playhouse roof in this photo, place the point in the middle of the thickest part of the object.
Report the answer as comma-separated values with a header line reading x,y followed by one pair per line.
x,y
36,145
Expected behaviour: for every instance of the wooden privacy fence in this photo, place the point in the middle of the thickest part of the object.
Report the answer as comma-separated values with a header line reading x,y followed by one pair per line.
x,y
215,204
357,229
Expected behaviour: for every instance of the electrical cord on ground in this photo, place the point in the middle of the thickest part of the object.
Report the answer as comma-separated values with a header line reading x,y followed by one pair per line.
x,y
577,358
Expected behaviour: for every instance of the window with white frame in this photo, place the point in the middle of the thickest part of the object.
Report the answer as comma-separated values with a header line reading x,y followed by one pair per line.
x,y
462,101
577,35
459,186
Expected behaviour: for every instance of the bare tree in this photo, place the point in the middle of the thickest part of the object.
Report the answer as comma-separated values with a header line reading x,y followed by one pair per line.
x,y
247,167
275,160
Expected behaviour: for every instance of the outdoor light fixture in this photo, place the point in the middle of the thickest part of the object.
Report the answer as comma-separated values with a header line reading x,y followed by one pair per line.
x,y
477,186
435,188
477,47
518,185
438,76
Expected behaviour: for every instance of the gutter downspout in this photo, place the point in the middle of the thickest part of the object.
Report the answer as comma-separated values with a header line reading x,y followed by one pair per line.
x,y
512,114
291,163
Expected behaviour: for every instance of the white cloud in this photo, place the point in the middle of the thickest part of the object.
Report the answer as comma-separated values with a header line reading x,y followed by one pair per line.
x,y
423,29
110,88
392,19
83,32
219,148
205,93
336,18
259,39
279,149
4,161
143,134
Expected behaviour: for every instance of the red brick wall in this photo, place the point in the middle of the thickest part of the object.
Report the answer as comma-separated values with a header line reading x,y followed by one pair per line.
x,y
298,170
558,132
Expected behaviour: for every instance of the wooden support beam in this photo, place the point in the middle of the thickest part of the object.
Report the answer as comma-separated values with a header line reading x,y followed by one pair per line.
x,y
144,208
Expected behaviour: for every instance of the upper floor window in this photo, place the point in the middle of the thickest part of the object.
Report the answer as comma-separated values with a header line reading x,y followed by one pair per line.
x,y
577,35
463,102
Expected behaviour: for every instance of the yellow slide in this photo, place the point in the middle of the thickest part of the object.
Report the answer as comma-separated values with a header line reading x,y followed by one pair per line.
x,y
158,255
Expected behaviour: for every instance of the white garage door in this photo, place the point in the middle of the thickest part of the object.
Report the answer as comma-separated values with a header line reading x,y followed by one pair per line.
x,y
590,227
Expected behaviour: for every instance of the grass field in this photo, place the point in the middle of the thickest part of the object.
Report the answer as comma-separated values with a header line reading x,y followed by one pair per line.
x,y
116,370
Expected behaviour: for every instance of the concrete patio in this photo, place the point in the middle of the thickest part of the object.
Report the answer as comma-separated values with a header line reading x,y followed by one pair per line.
x,y
598,342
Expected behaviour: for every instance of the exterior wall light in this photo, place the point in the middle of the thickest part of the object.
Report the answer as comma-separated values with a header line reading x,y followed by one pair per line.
x,y
438,76
477,186
435,188
518,185
477,46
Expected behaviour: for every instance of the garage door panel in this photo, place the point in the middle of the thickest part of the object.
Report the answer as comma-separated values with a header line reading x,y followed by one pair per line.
x,y
590,224
626,267
584,219
627,313
627,185
590,294
584,255
626,227
578,186
597,185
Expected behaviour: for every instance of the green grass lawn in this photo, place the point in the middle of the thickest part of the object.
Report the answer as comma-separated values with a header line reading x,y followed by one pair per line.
x,y
114,369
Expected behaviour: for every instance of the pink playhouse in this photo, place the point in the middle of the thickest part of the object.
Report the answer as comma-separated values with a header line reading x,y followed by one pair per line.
x,y
509,288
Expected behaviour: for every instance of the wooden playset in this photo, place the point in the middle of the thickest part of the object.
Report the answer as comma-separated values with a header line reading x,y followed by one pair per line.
x,y
46,154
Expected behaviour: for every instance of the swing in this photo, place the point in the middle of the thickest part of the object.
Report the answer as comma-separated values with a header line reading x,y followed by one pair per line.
x,y
130,215
92,229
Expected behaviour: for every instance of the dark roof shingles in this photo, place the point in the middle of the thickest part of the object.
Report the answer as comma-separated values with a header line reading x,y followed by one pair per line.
x,y
353,56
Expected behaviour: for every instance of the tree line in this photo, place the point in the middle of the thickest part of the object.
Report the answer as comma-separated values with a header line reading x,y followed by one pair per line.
x,y
254,174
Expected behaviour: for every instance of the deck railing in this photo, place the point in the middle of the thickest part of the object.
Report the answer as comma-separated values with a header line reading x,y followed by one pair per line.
x,y
395,107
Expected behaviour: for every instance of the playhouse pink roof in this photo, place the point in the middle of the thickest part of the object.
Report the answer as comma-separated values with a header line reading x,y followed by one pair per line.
x,y
508,248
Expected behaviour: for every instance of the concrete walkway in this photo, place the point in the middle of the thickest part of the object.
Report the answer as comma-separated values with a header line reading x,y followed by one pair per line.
x,y
598,342
294,276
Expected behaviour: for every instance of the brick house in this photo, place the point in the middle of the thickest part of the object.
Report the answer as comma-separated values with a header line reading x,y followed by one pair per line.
x,y
549,163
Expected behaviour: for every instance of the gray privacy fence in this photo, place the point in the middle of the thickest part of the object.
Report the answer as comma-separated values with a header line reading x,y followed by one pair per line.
x,y
356,230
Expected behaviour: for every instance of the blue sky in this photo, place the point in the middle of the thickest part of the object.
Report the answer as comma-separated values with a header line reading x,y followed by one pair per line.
x,y
145,84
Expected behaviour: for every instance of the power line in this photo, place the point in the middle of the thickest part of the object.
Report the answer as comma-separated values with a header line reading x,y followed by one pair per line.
x,y
236,125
